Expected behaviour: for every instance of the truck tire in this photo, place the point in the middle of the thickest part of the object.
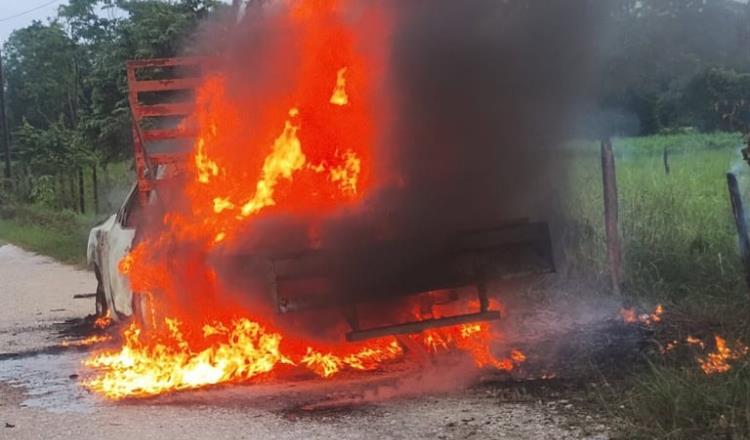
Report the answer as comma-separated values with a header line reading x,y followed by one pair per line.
x,y
101,301
142,311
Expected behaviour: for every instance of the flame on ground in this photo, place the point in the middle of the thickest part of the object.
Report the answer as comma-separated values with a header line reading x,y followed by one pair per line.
x,y
148,365
103,322
692,340
715,362
630,316
718,360
90,340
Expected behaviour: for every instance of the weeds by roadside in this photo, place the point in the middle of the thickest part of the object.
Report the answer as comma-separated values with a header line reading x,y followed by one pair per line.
x,y
680,248
61,235
33,216
672,398
678,238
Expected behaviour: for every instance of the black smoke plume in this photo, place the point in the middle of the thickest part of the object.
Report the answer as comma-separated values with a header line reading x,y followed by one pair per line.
x,y
480,96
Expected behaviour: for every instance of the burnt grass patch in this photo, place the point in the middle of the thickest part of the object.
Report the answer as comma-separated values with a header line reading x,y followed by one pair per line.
x,y
574,371
70,330
670,397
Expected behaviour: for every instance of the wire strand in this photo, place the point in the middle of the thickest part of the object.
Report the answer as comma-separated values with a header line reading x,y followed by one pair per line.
x,y
28,11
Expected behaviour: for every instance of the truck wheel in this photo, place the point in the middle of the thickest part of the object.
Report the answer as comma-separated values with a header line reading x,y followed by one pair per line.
x,y
142,310
101,300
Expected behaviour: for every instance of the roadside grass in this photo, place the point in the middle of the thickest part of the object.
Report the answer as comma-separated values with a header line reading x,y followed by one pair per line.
x,y
680,402
668,396
672,398
61,235
679,248
47,228
678,238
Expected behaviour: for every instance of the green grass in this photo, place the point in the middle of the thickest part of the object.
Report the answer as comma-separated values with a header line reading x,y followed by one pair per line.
x,y
680,402
61,235
654,145
672,398
679,248
48,229
678,238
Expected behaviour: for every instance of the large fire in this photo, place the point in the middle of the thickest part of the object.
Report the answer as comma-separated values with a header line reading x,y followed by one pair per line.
x,y
305,149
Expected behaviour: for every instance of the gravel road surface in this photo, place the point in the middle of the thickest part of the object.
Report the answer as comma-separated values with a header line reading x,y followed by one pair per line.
x,y
36,293
41,398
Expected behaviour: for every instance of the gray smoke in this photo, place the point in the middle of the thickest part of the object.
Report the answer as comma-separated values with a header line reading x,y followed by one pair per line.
x,y
482,93
485,91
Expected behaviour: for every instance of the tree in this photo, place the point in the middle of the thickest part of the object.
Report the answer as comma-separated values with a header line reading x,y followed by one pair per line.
x,y
151,29
719,99
656,48
44,97
67,89
41,77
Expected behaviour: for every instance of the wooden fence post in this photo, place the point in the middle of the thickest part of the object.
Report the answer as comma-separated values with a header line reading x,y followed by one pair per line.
x,y
611,207
665,159
738,211
95,188
5,135
81,193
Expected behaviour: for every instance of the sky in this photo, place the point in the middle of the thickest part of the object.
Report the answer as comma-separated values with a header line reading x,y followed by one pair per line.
x,y
16,14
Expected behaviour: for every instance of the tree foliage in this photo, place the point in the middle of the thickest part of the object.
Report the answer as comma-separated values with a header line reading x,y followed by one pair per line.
x,y
656,49
40,72
66,83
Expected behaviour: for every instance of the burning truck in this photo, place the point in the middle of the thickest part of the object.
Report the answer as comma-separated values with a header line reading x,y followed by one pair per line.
x,y
242,250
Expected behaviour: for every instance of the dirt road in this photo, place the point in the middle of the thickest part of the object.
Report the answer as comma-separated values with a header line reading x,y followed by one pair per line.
x,y
40,396
36,292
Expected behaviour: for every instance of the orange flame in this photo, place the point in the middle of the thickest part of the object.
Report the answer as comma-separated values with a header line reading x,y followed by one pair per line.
x,y
245,350
718,360
91,340
103,322
285,159
692,340
303,150
630,316
339,96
